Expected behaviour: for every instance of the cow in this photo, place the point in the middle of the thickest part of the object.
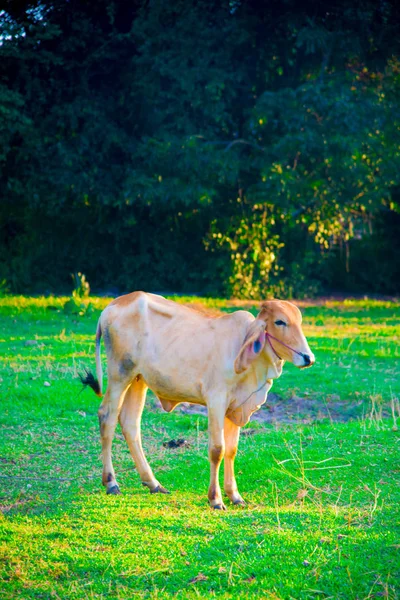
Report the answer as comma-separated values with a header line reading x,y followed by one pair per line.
x,y
226,363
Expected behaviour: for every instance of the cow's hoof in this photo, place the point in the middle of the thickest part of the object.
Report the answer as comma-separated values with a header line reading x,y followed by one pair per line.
x,y
114,490
240,502
159,490
219,507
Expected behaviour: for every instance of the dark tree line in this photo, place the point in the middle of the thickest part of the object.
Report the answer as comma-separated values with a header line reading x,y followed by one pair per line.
x,y
204,146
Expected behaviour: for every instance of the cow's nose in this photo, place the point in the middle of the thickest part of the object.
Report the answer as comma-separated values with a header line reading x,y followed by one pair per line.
x,y
307,359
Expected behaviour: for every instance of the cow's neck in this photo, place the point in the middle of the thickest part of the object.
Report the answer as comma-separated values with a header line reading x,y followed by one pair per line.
x,y
252,389
258,379
267,367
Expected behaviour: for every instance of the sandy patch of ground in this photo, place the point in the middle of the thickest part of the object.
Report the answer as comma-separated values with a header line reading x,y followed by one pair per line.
x,y
290,410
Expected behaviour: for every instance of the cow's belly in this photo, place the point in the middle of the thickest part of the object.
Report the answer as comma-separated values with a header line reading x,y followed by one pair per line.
x,y
169,401
168,388
169,405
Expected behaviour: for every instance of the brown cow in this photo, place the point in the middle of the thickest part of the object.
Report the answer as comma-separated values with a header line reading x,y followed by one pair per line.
x,y
226,363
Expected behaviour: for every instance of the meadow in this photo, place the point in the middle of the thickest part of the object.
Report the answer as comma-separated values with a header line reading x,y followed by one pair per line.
x,y
319,470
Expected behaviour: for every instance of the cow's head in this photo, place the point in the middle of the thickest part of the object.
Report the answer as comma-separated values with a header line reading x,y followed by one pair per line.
x,y
276,333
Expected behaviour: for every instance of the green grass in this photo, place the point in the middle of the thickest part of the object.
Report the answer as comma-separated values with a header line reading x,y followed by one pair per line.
x,y
322,498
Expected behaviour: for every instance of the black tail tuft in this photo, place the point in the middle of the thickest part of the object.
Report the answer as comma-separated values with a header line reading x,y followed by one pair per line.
x,y
90,380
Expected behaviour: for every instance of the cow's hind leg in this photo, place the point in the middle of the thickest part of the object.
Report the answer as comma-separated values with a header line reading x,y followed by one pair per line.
x,y
231,433
108,418
130,418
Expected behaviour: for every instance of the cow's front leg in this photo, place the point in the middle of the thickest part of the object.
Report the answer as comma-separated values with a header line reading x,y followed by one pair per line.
x,y
216,449
231,433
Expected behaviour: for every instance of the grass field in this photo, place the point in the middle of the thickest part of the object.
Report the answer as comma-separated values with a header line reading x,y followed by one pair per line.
x,y
322,496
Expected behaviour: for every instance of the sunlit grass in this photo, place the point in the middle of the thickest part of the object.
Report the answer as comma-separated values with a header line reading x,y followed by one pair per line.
x,y
322,498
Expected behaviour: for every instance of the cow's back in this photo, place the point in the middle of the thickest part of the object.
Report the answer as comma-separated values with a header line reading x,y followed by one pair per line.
x,y
150,336
179,352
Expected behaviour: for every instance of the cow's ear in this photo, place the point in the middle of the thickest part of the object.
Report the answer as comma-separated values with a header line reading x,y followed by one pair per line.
x,y
265,311
253,344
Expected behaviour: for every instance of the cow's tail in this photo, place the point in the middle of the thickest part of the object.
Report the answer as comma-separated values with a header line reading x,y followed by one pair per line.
x,y
96,383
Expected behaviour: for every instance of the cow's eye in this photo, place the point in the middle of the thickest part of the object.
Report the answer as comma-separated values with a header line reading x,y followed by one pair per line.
x,y
279,322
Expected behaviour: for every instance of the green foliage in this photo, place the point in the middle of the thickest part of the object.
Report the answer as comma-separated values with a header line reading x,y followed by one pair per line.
x,y
253,252
78,303
4,288
82,287
129,130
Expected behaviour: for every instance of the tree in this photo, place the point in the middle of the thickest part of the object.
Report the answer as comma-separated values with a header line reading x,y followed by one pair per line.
x,y
137,136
